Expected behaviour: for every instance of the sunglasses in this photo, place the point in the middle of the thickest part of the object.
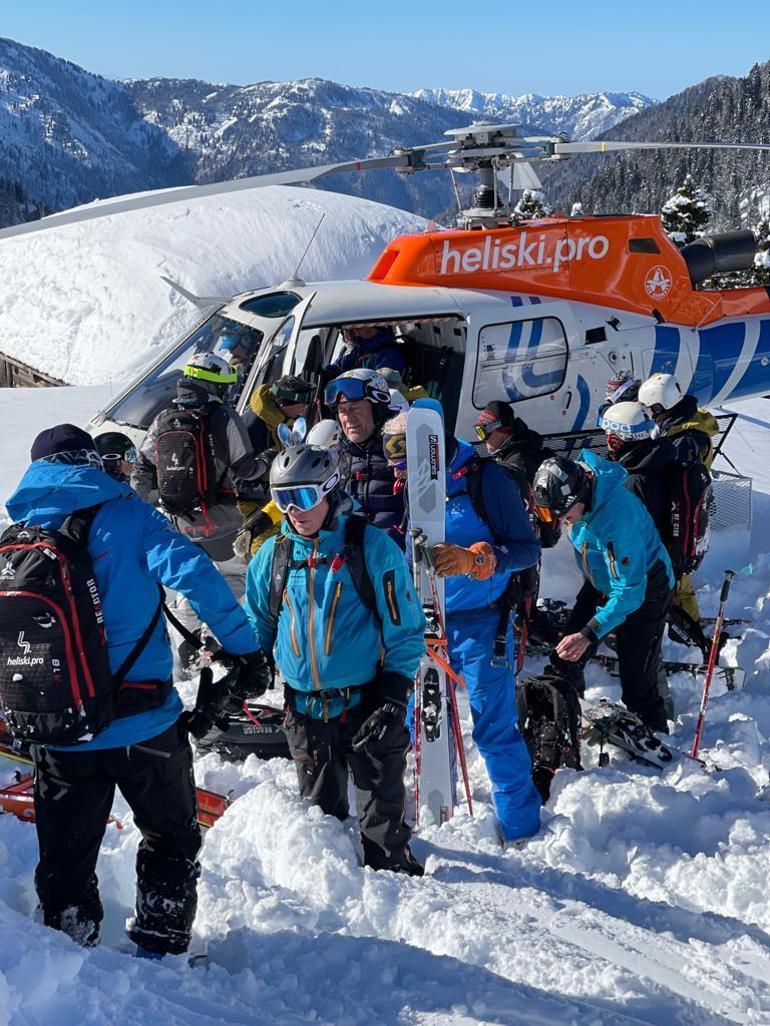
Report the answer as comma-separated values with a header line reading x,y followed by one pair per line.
x,y
303,497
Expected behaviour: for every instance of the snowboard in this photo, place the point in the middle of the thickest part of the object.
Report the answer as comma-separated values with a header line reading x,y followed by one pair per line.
x,y
426,483
733,677
608,723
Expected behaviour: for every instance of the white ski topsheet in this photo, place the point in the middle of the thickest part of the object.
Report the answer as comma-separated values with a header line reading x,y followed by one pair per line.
x,y
643,899
427,512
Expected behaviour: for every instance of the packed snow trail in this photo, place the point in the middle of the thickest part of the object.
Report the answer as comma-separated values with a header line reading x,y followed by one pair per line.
x,y
642,900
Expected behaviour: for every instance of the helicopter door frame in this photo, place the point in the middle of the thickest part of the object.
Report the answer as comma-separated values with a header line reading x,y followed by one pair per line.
x,y
291,350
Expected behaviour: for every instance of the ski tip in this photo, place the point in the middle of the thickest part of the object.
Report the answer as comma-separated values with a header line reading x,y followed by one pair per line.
x,y
429,404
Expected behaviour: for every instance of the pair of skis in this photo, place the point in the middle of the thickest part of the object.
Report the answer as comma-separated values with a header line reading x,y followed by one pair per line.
x,y
437,721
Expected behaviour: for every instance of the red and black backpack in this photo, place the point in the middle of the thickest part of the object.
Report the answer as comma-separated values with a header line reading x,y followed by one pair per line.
x,y
185,461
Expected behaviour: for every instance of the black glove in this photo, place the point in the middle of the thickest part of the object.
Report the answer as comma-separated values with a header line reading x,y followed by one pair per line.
x,y
375,728
210,706
254,675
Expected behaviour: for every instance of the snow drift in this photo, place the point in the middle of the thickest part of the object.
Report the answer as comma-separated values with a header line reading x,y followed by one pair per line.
x,y
86,303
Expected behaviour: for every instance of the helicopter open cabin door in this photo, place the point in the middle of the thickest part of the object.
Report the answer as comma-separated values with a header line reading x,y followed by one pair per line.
x,y
527,362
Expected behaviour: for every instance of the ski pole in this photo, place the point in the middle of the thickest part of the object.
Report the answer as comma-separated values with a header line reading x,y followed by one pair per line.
x,y
714,652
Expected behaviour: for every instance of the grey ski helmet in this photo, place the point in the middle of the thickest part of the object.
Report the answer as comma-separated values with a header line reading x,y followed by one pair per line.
x,y
559,484
303,476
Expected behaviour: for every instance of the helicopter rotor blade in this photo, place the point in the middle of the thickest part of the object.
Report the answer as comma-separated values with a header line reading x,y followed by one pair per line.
x,y
406,160
607,146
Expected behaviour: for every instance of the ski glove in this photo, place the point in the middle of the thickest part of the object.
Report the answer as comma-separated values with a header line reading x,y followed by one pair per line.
x,y
210,706
254,677
387,720
477,561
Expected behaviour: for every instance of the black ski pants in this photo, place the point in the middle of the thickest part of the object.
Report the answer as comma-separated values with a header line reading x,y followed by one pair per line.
x,y
638,643
73,797
324,756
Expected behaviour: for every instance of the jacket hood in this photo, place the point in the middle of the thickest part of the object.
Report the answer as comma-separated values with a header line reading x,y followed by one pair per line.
x,y
648,455
608,478
523,439
58,489
684,410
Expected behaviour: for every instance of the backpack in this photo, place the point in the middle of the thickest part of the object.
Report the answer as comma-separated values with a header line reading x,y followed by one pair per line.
x,y
185,461
691,500
352,553
56,685
549,720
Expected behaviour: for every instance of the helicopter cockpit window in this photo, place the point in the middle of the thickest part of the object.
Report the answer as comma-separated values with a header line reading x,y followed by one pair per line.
x,y
275,304
520,360
237,343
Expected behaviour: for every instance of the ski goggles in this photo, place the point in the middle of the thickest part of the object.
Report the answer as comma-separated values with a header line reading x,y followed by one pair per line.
x,y
129,456
303,497
75,458
394,449
485,429
545,514
286,395
353,389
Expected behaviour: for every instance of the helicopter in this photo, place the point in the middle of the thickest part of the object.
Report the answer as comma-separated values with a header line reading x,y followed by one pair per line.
x,y
541,312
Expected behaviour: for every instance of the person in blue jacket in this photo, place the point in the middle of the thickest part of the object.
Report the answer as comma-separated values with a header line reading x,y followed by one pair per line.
x,y
372,346
488,538
145,750
628,583
349,661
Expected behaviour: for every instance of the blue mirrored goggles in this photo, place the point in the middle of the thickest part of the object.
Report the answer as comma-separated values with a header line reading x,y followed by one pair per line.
x,y
303,497
353,389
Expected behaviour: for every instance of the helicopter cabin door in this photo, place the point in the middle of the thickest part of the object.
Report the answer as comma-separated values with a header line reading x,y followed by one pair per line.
x,y
527,361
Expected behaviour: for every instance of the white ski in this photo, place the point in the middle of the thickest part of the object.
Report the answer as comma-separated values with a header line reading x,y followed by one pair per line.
x,y
427,502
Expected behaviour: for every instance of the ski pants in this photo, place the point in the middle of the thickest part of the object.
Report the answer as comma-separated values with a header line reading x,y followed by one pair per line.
x,y
73,797
638,643
324,756
492,695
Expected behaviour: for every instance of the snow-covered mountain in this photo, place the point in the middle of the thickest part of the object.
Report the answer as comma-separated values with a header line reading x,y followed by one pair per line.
x,y
67,136
579,117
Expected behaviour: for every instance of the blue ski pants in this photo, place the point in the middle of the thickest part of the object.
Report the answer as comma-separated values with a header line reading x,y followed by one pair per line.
x,y
492,695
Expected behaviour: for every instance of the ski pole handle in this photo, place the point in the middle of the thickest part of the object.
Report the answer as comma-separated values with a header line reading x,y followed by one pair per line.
x,y
729,574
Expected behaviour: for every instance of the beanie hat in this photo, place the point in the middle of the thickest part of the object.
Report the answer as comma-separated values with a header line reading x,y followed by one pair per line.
x,y
61,438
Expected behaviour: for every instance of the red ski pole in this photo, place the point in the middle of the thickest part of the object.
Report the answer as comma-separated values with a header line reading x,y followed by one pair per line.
x,y
718,625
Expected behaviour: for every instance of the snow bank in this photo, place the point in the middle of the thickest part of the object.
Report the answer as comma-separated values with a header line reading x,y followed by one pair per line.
x,y
86,303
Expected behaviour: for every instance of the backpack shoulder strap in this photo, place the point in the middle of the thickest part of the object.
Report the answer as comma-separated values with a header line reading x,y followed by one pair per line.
x,y
78,525
279,571
473,482
355,528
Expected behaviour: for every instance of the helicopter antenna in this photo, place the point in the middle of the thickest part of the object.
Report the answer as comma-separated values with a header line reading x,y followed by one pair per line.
x,y
295,279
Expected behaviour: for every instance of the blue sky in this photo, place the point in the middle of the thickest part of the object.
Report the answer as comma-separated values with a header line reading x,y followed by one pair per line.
x,y
556,46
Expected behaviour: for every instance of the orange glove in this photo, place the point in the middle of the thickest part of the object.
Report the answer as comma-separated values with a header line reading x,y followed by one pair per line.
x,y
478,561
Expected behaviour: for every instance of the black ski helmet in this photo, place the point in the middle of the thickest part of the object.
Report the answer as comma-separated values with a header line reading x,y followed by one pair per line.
x,y
558,484
115,448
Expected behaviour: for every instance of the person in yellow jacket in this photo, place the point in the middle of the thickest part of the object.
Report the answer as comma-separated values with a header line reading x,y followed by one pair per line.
x,y
691,429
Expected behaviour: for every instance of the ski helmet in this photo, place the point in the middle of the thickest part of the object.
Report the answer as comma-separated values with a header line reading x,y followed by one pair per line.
x,y
360,383
326,433
303,476
115,449
559,484
398,402
660,392
629,421
214,371
622,386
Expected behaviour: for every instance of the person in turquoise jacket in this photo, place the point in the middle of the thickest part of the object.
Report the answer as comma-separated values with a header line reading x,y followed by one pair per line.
x,y
349,662
628,580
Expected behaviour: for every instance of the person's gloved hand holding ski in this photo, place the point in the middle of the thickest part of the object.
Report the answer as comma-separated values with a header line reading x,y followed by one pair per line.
x,y
249,676
478,560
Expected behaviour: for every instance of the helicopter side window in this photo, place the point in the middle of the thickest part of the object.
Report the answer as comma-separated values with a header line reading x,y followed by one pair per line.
x,y
140,406
520,360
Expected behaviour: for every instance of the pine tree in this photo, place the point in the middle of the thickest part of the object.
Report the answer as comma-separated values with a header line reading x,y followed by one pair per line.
x,y
577,210
686,213
762,259
530,206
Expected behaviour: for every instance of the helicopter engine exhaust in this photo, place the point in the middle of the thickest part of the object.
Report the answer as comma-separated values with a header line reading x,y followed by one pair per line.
x,y
715,254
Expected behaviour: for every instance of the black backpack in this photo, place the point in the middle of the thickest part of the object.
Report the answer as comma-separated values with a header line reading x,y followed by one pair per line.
x,y
352,553
56,686
549,721
185,461
691,500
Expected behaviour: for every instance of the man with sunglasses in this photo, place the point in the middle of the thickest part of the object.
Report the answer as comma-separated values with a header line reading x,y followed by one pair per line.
x,y
331,596
361,401
628,580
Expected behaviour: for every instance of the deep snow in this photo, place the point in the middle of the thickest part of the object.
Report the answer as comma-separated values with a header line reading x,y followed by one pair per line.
x,y
86,303
642,900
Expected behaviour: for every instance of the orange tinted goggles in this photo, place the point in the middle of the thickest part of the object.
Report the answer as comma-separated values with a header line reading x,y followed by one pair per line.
x,y
545,514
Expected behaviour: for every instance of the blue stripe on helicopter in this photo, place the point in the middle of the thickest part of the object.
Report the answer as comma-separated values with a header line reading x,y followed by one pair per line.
x,y
584,393
724,344
520,378
517,301
756,377
667,343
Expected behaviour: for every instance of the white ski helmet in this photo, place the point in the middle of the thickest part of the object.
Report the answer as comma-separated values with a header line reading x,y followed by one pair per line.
x,y
210,367
661,390
629,421
361,383
326,433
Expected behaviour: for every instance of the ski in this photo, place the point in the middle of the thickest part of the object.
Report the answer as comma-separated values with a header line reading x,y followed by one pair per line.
x,y
210,804
609,724
733,677
426,484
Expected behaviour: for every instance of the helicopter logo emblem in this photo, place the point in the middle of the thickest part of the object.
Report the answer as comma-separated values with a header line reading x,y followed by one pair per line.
x,y
658,282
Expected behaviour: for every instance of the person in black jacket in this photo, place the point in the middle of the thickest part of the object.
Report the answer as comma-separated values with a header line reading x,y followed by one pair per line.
x,y
361,401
